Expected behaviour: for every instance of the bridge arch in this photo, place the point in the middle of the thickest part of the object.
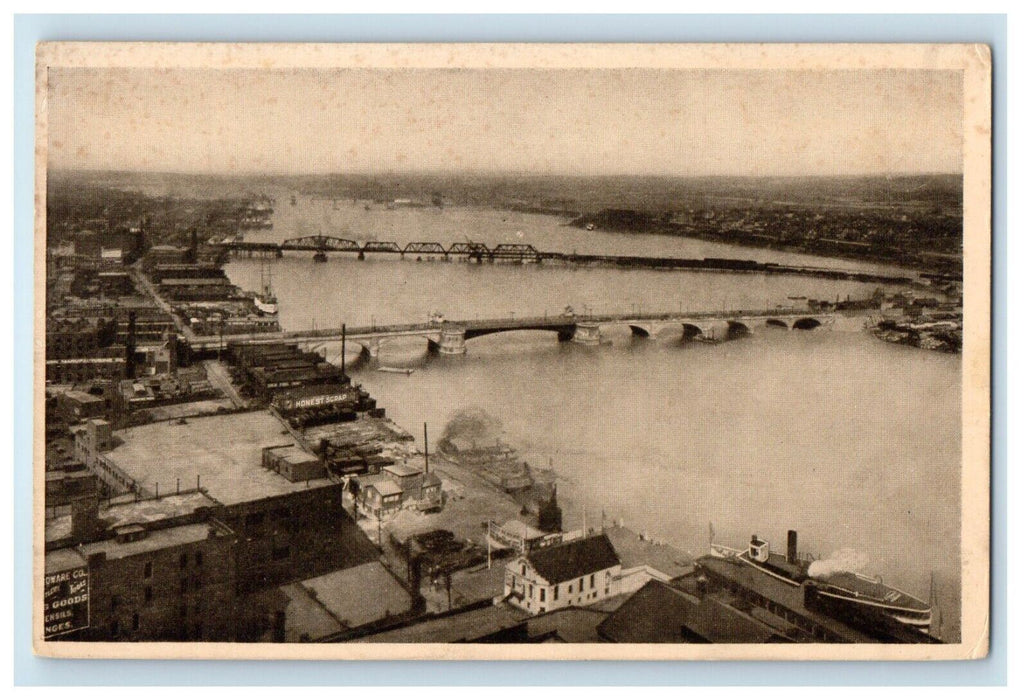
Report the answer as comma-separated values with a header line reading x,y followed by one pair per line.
x,y
564,333
691,331
738,329
370,347
640,331
806,324
776,323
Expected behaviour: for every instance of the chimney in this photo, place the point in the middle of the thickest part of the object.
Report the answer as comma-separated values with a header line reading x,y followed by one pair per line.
x,y
85,519
791,551
130,347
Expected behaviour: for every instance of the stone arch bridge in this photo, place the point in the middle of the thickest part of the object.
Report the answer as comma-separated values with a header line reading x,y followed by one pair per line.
x,y
451,337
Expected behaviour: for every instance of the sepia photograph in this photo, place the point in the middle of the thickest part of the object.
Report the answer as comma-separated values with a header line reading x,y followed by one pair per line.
x,y
512,351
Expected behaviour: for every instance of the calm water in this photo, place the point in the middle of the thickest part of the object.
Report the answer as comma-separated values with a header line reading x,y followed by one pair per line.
x,y
851,441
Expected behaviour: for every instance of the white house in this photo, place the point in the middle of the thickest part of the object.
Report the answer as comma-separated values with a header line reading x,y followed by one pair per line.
x,y
579,572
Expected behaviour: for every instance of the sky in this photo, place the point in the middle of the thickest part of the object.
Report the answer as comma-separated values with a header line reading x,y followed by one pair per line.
x,y
583,122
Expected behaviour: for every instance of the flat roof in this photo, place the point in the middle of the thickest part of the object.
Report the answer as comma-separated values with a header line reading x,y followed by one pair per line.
x,y
521,529
155,540
81,396
124,510
154,509
57,528
294,454
401,470
224,450
660,556
359,595
62,560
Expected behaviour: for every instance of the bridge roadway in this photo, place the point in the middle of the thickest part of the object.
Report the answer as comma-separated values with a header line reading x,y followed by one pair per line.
x,y
450,337
521,253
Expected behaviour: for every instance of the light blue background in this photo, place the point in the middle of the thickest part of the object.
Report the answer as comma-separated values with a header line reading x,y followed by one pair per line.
x,y
29,29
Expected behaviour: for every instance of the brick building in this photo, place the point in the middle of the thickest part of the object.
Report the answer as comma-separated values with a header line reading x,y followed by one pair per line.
x,y
78,370
288,528
160,569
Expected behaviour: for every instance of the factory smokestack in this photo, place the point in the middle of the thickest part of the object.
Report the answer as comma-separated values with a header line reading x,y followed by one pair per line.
x,y
426,447
130,347
791,551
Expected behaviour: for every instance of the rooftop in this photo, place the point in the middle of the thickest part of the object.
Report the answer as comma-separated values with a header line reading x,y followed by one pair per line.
x,y
154,509
458,627
381,483
571,625
634,551
82,396
123,510
155,540
359,595
574,559
62,560
659,613
401,470
521,529
294,454
306,618
225,451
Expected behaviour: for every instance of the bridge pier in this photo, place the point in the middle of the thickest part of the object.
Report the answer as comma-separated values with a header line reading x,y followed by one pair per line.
x,y
587,333
451,342
371,348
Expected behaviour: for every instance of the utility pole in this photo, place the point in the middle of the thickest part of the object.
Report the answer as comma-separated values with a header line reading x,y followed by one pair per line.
x,y
426,447
342,351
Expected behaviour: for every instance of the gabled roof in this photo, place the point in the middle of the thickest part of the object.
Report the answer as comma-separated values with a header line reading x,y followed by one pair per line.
x,y
573,559
659,613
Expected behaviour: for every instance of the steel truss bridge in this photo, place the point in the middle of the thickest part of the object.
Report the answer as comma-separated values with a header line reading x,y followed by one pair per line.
x,y
333,244
521,253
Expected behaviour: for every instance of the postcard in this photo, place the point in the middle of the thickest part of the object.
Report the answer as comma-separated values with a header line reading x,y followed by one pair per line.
x,y
512,351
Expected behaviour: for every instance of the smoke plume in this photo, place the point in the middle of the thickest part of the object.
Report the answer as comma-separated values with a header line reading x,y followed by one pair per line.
x,y
839,561
474,425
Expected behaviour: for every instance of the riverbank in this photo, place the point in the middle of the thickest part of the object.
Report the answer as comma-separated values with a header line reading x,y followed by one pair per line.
x,y
867,235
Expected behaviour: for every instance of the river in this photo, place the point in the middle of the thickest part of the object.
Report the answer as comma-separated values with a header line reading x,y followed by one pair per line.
x,y
853,442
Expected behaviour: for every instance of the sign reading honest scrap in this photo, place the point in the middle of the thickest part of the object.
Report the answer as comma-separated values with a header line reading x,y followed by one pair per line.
x,y
65,602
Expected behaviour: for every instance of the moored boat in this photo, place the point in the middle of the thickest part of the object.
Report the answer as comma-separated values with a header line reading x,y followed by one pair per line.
x,y
845,592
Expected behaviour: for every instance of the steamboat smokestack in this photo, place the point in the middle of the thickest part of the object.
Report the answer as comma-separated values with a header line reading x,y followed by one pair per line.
x,y
791,551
